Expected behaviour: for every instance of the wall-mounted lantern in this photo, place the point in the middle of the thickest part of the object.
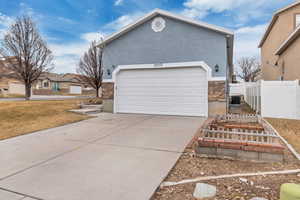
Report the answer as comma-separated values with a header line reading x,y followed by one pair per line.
x,y
217,68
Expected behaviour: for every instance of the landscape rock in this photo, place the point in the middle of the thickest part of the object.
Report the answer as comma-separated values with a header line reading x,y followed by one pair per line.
x,y
243,180
203,190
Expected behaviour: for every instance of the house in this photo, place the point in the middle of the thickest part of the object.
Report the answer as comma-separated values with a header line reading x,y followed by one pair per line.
x,y
280,45
52,83
8,82
166,64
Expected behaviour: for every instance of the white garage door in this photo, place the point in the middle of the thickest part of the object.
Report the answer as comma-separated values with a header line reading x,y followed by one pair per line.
x,y
166,91
75,89
16,88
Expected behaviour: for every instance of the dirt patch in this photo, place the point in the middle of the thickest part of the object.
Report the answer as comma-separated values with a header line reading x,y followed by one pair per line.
x,y
18,118
289,129
232,188
243,108
191,166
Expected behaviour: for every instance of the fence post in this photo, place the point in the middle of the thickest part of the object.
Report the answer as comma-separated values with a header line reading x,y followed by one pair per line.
x,y
262,85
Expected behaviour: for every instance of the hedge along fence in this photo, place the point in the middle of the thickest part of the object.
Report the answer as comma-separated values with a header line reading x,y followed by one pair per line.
x,y
275,99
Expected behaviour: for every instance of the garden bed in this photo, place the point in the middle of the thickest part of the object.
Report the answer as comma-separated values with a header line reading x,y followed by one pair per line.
x,y
192,165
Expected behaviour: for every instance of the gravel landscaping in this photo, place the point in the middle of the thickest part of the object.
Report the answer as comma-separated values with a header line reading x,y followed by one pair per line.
x,y
191,166
232,188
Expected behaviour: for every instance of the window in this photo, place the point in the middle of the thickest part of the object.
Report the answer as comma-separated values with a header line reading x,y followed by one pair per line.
x,y
46,84
297,20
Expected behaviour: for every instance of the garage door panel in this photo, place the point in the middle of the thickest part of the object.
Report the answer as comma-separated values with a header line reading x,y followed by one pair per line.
x,y
176,91
163,99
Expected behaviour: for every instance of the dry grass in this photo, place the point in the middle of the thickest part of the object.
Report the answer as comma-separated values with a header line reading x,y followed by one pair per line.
x,y
289,129
18,118
11,96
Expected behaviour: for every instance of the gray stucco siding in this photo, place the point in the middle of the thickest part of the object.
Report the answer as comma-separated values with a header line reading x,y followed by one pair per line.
x,y
178,42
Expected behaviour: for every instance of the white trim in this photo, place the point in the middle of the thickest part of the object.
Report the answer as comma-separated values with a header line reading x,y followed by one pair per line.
x,y
107,81
221,78
162,23
168,14
274,18
200,64
288,41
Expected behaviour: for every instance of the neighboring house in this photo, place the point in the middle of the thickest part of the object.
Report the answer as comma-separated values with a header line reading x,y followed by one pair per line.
x,y
280,45
166,64
8,83
52,83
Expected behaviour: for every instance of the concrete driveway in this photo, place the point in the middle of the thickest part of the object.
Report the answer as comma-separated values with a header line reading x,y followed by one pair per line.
x,y
109,157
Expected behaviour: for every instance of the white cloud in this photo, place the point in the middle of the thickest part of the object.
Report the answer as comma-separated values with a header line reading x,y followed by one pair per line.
x,y
5,20
240,10
118,2
93,36
123,21
26,9
65,64
67,56
66,20
247,40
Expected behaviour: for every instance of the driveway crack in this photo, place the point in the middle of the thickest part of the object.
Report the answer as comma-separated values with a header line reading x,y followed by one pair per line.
x,y
21,194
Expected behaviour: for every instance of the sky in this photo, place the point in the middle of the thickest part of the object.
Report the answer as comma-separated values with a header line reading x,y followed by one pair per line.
x,y
68,26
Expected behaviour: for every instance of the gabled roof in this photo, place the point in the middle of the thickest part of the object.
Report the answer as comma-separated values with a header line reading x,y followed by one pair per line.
x,y
59,77
167,14
292,37
228,33
274,18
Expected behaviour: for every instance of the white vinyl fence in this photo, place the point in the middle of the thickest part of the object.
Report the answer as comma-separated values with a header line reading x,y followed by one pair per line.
x,y
276,99
253,95
237,89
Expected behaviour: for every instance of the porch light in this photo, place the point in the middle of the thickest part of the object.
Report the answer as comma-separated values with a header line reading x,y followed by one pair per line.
x,y
217,68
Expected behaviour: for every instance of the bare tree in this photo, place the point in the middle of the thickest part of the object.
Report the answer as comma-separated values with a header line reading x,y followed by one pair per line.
x,y
91,67
248,68
25,52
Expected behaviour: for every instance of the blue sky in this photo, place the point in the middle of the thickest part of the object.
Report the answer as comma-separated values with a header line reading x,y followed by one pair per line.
x,y
69,25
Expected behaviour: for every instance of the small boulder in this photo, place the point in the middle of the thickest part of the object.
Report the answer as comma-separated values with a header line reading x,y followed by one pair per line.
x,y
258,198
243,180
203,190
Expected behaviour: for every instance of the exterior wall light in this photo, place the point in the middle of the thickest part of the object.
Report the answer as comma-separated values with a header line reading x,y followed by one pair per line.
x,y
217,68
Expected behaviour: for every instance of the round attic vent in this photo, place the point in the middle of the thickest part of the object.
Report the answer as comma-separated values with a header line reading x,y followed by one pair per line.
x,y
158,24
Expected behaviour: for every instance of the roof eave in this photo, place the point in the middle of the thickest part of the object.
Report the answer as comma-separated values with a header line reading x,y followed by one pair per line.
x,y
168,14
268,30
288,41
274,18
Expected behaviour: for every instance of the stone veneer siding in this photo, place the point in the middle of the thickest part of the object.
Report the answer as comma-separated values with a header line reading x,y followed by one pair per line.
x,y
108,96
107,90
216,90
